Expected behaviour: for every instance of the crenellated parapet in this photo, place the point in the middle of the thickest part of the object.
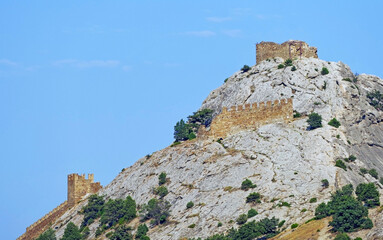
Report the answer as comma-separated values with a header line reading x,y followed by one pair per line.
x,y
250,116
43,224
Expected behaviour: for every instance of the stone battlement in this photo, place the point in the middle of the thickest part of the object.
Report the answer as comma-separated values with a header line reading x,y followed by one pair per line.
x,y
78,187
250,116
43,224
290,49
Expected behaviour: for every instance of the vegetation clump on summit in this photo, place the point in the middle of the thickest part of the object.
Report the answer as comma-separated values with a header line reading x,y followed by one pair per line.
x,y
187,130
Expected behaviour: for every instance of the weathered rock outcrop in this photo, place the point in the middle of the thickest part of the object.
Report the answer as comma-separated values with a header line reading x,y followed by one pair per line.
x,y
285,160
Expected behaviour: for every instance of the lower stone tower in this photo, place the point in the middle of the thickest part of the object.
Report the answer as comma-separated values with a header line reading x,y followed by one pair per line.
x,y
78,186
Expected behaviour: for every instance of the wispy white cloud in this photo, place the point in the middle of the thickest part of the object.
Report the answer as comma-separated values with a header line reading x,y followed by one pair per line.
x,y
233,32
205,33
7,62
218,19
86,64
126,68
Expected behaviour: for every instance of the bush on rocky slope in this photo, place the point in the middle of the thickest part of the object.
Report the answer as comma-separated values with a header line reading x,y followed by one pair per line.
x,y
157,210
314,121
265,227
348,213
47,235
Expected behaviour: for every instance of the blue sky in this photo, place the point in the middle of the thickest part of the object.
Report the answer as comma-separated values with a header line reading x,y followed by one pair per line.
x,y
92,86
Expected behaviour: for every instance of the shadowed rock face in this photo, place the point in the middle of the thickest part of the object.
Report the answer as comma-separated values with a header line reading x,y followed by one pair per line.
x,y
284,160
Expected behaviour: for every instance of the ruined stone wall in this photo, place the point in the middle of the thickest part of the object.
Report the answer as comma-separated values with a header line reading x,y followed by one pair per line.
x,y
290,49
250,116
78,187
44,223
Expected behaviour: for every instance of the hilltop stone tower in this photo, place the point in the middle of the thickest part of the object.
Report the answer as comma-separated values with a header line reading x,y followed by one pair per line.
x,y
289,49
78,186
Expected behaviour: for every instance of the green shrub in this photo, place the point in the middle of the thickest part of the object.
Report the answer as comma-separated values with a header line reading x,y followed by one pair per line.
x,y
242,219
367,224
368,193
253,198
348,213
201,117
280,66
313,200
324,71
333,122
191,225
182,131
293,68
280,224
117,211
339,163
373,173
99,231
358,238
71,232
141,231
189,205
297,114
161,191
342,236
245,68
92,210
226,80
122,233
48,235
252,230
157,210
288,62
375,99
247,184
363,171
351,158
314,121
304,210
324,85
251,213
219,224
325,183
346,79
295,225
284,204
162,178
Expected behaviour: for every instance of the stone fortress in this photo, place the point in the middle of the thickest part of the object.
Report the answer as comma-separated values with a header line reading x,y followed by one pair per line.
x,y
289,49
78,187
252,116
229,121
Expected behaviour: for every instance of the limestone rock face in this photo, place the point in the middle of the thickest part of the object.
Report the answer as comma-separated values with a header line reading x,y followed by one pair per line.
x,y
285,160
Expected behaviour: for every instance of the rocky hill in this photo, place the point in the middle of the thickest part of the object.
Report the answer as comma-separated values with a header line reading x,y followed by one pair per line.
x,y
286,161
